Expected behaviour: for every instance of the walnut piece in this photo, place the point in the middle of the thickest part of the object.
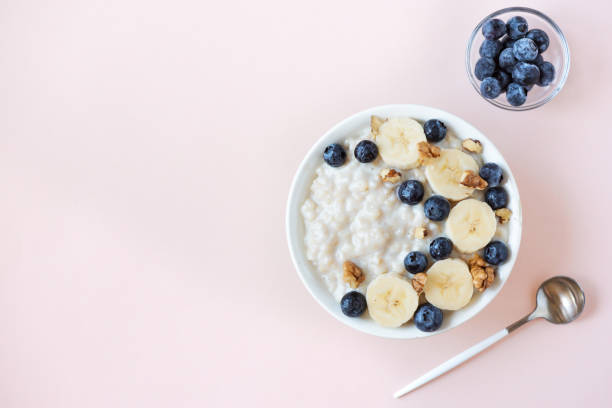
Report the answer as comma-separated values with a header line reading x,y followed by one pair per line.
x,y
483,274
418,282
503,214
471,179
375,124
476,260
352,274
472,145
427,152
390,176
420,232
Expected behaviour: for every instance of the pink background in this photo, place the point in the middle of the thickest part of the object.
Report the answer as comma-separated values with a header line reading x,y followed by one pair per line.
x,y
146,152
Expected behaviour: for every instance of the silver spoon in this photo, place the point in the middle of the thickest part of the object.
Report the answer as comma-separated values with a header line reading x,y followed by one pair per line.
x,y
559,300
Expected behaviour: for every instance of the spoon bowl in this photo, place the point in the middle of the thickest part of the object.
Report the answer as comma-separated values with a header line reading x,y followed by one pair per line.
x,y
559,300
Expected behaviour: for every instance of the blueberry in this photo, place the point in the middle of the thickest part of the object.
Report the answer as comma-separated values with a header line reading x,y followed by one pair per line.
x,y
366,151
516,27
508,42
538,61
415,262
503,77
540,38
334,155
525,73
440,248
506,60
525,50
495,252
428,318
516,94
484,68
490,88
547,74
496,197
436,208
490,48
492,174
493,29
435,130
411,192
353,304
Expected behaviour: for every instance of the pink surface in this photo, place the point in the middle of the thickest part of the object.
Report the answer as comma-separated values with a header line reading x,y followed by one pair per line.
x,y
146,152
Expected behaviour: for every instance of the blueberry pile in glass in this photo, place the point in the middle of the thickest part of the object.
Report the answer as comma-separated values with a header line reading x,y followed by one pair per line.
x,y
511,60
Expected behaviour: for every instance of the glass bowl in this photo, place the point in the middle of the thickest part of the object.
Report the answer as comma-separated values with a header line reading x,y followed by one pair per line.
x,y
557,53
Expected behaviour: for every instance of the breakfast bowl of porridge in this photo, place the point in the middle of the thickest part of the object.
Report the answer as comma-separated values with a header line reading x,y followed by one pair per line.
x,y
403,221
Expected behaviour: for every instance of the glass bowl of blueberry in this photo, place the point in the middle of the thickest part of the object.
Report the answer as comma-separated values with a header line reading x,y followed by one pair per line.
x,y
517,58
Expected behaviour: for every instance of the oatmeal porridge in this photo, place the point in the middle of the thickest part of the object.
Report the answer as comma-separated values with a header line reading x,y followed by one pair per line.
x,y
389,198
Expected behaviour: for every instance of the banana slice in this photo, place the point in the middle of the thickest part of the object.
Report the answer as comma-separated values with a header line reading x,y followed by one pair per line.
x,y
449,284
397,141
444,174
470,225
391,300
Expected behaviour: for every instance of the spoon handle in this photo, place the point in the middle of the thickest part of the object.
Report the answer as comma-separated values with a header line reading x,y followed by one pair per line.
x,y
452,363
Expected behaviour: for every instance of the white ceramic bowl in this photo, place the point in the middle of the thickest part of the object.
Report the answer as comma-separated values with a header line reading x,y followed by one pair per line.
x,y
300,189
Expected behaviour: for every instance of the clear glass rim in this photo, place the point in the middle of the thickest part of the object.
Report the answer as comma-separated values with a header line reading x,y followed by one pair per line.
x,y
566,53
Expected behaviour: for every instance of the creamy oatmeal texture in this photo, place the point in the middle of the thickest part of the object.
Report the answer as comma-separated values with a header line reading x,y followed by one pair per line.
x,y
352,215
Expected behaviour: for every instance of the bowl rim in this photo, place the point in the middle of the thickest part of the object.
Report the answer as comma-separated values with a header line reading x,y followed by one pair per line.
x,y
566,54
296,241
